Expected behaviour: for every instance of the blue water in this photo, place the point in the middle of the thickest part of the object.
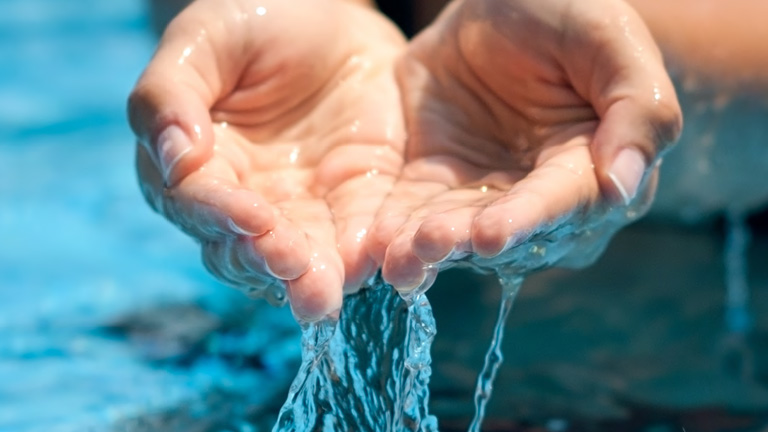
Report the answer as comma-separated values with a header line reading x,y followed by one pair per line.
x,y
79,249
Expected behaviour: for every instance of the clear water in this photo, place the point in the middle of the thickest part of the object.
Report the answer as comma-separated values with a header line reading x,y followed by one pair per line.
x,y
368,371
510,286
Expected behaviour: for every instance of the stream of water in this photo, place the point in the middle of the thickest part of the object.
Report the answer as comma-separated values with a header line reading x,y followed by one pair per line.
x,y
493,358
368,370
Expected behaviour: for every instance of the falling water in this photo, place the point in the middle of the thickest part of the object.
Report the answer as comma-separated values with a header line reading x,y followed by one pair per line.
x,y
367,372
370,370
737,316
510,286
737,354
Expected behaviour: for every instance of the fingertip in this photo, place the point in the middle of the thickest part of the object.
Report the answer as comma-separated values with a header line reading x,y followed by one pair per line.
x,y
359,266
319,291
487,241
626,172
171,119
380,236
401,268
633,134
255,218
434,240
285,251
178,154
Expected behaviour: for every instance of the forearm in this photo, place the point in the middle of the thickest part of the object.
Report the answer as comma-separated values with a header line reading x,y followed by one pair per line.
x,y
715,41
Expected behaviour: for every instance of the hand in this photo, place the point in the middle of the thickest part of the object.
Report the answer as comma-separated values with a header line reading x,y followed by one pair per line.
x,y
271,131
528,120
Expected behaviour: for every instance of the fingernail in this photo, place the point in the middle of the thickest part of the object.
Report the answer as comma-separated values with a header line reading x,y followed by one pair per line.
x,y
237,229
626,173
172,145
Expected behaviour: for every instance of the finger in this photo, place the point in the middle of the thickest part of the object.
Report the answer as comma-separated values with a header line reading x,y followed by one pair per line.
x,y
564,185
168,110
209,207
402,268
244,261
628,85
631,136
405,197
355,179
354,204
445,236
197,61
284,251
225,261
319,291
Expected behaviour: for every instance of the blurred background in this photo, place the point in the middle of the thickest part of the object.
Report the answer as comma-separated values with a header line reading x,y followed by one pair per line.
x,y
108,321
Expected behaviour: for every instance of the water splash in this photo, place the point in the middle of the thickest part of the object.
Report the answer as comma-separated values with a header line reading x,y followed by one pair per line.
x,y
510,286
367,372
370,370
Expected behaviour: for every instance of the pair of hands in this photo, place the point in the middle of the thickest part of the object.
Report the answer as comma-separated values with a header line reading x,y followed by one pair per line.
x,y
305,143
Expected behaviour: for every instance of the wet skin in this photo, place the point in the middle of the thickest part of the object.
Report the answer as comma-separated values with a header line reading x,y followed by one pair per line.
x,y
294,118
522,115
274,132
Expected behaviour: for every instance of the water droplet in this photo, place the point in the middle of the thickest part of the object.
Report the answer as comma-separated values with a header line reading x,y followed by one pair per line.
x,y
293,157
361,235
184,54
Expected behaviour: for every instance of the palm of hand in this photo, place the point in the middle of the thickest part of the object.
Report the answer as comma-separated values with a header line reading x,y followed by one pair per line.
x,y
307,144
498,155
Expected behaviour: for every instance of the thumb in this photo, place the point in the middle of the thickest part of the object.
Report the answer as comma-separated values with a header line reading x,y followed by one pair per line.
x,y
631,136
632,94
169,108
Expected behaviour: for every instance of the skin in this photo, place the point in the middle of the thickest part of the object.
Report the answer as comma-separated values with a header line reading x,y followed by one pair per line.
x,y
293,146
729,55
504,133
288,158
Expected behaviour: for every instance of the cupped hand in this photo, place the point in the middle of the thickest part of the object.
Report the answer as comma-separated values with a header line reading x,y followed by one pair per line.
x,y
271,131
530,122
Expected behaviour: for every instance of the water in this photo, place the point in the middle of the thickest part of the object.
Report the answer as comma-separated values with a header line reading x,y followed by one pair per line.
x,y
510,286
737,315
80,250
368,371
